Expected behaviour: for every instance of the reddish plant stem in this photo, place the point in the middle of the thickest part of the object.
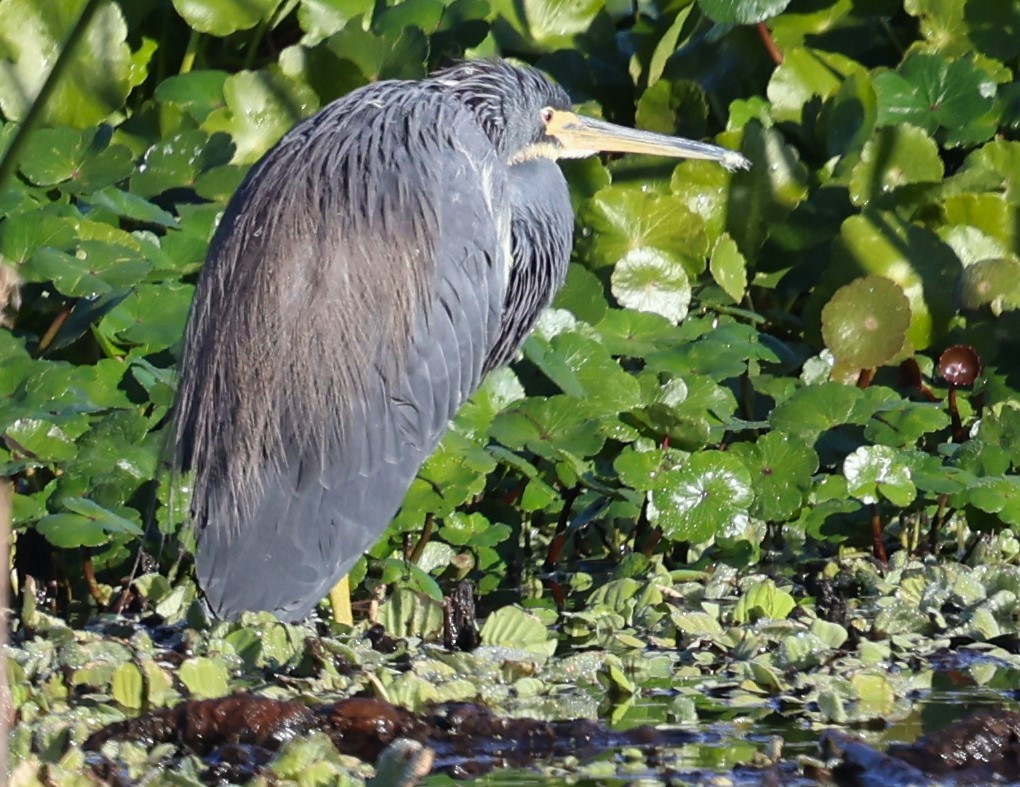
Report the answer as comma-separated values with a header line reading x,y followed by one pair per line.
x,y
959,435
878,544
90,580
51,332
560,537
770,43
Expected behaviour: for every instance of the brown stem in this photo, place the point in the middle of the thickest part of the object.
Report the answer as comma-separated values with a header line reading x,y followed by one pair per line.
x,y
423,539
646,537
770,43
878,545
90,580
865,378
959,436
51,332
560,536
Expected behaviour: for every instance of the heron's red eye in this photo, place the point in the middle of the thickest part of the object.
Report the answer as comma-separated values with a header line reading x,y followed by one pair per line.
x,y
547,114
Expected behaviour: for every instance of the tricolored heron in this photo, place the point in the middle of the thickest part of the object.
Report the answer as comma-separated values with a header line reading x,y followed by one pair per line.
x,y
372,267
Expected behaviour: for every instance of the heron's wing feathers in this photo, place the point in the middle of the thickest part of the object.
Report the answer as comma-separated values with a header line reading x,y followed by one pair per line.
x,y
351,298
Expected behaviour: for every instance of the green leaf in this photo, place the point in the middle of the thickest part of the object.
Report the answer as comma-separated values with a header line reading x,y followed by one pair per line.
x,y
410,613
815,408
178,161
582,368
512,627
261,106
223,17
69,531
152,316
703,188
995,495
781,468
99,75
98,267
131,206
667,45
806,74
913,257
582,295
22,235
1001,427
548,426
648,280
865,323
955,28
636,334
995,282
637,467
742,12
322,18
205,678
673,107
199,93
729,268
903,423
877,470
849,117
620,220
539,25
876,696
935,93
893,157
763,600
39,441
763,196
499,389
56,155
709,496
452,475
996,165
128,686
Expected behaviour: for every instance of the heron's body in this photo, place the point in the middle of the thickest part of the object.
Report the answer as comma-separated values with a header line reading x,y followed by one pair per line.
x,y
372,267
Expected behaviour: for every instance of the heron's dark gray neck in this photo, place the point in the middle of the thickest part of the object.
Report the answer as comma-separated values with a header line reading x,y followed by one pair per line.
x,y
542,232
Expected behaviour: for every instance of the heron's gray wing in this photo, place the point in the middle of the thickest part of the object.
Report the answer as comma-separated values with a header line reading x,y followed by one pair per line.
x,y
354,294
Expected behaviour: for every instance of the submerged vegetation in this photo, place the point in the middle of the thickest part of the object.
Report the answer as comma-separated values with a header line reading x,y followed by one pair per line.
x,y
756,472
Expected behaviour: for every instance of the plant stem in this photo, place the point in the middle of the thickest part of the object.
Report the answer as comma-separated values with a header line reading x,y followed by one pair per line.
x,y
878,545
188,61
53,330
770,43
423,539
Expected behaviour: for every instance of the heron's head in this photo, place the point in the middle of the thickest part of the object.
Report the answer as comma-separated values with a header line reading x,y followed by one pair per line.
x,y
528,116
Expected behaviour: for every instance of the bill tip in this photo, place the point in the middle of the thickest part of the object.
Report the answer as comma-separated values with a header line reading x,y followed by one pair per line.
x,y
733,161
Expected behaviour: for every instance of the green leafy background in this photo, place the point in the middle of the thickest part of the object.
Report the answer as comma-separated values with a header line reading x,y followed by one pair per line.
x,y
743,370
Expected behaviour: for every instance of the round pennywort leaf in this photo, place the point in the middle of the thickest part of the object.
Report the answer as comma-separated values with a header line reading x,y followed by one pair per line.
x,y
865,323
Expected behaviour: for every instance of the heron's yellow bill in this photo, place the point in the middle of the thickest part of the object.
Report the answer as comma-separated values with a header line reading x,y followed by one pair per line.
x,y
583,136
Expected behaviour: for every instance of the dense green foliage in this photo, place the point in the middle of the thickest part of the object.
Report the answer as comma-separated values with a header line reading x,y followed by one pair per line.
x,y
733,358
748,380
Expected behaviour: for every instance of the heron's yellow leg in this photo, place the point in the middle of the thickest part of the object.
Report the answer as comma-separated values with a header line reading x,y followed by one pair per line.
x,y
340,600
